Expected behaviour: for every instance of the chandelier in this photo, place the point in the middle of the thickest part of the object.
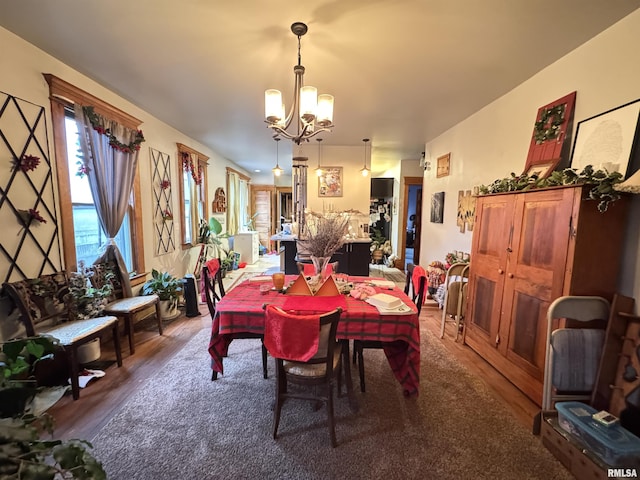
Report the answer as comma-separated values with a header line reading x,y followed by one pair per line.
x,y
313,113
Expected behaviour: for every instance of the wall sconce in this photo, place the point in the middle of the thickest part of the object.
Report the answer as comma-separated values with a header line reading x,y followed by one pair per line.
x,y
426,165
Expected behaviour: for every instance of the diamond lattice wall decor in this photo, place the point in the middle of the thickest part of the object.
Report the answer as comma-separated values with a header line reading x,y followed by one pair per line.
x,y
163,213
30,243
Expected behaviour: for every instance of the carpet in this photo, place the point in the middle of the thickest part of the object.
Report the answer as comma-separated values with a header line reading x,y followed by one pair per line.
x,y
181,425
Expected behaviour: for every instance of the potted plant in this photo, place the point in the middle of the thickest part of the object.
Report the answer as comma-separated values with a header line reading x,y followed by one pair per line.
x,y
380,246
23,453
168,289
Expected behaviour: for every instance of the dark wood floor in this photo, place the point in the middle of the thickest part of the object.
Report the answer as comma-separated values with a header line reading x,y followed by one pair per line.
x,y
103,397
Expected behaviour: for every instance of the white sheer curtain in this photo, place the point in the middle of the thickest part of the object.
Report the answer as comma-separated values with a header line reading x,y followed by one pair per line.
x,y
110,157
243,200
233,200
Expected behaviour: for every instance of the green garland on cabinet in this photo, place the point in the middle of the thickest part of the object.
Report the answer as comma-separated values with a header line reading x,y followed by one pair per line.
x,y
602,181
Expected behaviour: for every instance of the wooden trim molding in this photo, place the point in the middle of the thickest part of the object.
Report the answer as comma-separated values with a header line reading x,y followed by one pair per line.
x,y
240,174
201,156
59,89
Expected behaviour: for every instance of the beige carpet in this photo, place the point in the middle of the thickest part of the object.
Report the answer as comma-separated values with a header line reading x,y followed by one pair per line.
x,y
181,425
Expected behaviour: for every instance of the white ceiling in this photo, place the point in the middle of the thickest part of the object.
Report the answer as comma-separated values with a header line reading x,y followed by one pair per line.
x,y
402,72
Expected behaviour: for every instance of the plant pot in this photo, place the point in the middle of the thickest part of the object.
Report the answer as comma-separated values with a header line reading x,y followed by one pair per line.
x,y
168,311
89,352
377,255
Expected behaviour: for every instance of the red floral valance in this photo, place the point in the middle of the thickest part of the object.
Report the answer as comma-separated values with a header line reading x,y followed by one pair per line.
x,y
195,168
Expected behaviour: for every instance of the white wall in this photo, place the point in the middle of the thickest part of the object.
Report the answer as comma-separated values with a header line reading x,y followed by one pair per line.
x,y
494,142
22,66
356,188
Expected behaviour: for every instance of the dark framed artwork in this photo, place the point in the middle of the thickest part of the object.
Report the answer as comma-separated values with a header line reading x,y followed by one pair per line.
x,y
330,182
437,207
551,138
608,141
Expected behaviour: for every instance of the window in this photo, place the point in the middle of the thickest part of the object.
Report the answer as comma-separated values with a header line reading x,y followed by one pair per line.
x,y
88,234
81,232
238,214
193,193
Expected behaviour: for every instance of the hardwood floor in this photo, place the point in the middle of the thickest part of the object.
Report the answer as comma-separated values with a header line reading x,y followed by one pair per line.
x,y
102,398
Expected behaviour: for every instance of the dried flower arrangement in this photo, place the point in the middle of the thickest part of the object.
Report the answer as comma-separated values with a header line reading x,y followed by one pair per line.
x,y
325,233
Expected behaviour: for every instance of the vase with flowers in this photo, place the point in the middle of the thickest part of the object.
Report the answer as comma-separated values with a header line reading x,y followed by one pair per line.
x,y
324,236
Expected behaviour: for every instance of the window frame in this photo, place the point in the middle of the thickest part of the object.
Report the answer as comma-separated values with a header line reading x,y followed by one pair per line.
x,y
203,162
64,95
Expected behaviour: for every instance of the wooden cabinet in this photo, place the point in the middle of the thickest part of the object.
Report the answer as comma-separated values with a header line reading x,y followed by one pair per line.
x,y
529,249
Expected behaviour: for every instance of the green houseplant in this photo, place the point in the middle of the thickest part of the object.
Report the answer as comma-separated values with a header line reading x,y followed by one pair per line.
x,y
24,452
168,289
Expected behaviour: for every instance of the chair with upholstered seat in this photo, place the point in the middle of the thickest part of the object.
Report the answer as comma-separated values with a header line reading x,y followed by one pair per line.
x,y
455,301
417,277
120,304
306,354
212,277
46,308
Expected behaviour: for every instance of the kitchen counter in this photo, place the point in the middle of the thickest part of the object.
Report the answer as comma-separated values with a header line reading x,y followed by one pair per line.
x,y
353,257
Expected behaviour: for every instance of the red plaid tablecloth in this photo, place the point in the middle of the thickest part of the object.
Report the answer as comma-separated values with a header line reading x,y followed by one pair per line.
x,y
240,311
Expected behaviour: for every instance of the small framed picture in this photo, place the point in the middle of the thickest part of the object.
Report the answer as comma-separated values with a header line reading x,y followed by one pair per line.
x,y
542,170
443,165
330,182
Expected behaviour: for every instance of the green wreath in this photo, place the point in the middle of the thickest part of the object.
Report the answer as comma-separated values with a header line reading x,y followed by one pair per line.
x,y
548,127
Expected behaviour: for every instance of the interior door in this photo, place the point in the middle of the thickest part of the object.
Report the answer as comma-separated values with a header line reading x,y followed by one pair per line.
x,y
418,228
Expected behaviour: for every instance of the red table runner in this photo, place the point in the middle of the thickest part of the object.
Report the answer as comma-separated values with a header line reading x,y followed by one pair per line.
x,y
241,311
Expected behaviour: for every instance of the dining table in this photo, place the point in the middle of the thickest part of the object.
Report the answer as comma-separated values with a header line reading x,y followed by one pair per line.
x,y
241,311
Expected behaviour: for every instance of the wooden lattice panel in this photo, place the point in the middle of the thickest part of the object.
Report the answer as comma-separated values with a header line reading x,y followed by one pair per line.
x,y
30,242
163,219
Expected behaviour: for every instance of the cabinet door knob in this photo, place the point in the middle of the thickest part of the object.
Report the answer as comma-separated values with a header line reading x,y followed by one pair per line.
x,y
500,271
510,275
497,340
509,249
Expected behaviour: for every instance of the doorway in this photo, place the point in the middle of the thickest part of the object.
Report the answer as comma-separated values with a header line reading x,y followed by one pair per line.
x,y
411,220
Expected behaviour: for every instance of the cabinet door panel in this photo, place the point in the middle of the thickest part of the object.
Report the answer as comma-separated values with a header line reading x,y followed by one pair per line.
x,y
486,275
535,274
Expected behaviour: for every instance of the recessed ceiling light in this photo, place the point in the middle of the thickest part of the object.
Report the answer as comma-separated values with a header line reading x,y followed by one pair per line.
x,y
257,170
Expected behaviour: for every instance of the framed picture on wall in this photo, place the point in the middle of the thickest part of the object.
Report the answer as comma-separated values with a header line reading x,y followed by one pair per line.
x,y
443,165
608,140
437,207
330,182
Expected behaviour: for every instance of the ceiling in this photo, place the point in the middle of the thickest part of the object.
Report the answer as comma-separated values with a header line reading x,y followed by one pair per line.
x,y
402,72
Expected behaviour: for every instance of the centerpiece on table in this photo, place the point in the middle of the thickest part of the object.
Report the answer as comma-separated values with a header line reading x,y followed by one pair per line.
x,y
325,234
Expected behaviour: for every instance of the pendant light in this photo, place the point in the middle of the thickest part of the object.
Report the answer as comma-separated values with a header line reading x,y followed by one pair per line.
x,y
318,168
365,171
277,171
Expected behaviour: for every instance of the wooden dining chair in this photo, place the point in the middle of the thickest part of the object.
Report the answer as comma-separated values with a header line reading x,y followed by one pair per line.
x,y
120,304
212,277
307,354
359,346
